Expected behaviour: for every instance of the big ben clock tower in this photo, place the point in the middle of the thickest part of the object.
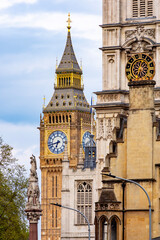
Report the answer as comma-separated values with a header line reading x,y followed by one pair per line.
x,y
66,122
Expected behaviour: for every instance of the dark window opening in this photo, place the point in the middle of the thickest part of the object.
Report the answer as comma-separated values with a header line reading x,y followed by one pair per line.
x,y
56,219
114,147
49,119
52,186
56,186
56,119
113,230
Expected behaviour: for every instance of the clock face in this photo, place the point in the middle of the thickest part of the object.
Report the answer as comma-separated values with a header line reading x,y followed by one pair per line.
x,y
86,138
140,67
56,142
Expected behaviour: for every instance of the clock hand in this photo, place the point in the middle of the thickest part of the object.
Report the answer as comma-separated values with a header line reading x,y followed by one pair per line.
x,y
50,144
140,68
57,143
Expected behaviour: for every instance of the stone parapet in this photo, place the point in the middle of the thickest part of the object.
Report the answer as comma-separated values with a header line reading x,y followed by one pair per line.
x,y
107,206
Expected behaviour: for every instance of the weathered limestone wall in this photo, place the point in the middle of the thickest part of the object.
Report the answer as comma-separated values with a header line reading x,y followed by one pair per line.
x,y
139,132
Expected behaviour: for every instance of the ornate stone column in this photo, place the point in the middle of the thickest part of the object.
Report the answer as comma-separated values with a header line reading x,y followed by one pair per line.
x,y
33,207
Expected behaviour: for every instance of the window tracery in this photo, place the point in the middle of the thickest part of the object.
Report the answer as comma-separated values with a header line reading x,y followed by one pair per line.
x,y
84,202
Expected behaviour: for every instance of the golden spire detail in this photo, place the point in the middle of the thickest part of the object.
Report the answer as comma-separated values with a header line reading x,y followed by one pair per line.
x,y
44,99
69,22
81,64
56,63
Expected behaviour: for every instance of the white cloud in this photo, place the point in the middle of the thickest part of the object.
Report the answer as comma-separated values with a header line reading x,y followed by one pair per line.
x,y
23,138
83,25
29,64
10,3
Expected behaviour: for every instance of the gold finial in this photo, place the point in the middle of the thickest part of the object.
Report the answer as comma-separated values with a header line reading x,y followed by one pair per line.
x,y
44,102
56,63
81,63
69,22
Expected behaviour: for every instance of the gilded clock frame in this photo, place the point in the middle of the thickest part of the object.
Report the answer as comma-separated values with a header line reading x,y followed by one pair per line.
x,y
57,131
144,58
48,133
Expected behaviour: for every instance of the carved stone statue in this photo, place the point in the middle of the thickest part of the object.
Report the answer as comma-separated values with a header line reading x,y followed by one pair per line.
x,y
33,191
33,170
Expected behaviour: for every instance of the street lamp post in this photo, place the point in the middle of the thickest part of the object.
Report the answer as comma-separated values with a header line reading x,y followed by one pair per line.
x,y
59,205
131,181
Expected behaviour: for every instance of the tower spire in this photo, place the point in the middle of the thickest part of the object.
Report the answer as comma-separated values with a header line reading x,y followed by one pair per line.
x,y
68,61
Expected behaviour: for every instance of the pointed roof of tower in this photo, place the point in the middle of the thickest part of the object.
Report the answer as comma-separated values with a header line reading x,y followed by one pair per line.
x,y
68,62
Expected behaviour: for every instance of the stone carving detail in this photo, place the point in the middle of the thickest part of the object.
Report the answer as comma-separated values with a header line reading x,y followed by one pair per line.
x,y
110,124
139,46
33,217
105,128
109,98
109,128
140,32
33,170
107,206
111,59
157,94
139,40
101,128
33,207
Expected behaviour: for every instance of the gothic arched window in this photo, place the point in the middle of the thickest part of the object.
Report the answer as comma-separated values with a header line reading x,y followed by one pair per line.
x,y
84,202
113,229
105,230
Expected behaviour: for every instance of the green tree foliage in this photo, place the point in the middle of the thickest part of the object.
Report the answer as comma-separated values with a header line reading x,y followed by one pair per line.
x,y
13,186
